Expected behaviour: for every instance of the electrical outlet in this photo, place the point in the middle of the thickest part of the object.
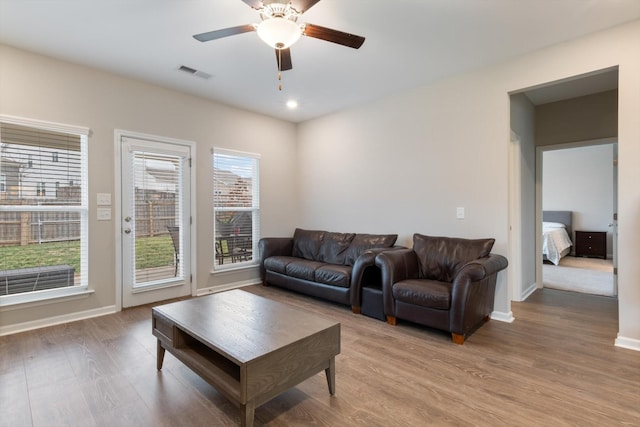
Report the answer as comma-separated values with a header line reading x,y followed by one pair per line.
x,y
460,213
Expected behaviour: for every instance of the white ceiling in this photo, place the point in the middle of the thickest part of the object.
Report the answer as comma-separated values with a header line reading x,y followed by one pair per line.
x,y
408,43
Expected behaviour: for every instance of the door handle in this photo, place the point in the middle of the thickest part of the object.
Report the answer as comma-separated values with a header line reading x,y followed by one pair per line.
x,y
127,230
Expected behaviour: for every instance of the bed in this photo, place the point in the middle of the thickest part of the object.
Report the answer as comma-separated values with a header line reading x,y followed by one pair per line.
x,y
556,232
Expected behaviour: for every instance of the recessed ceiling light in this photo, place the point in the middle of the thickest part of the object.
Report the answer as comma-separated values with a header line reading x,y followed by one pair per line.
x,y
291,104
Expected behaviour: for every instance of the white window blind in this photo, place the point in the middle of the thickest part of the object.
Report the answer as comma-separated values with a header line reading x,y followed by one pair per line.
x,y
43,207
158,212
236,204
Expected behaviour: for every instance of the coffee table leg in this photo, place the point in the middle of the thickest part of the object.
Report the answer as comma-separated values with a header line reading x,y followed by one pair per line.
x,y
159,356
330,372
247,412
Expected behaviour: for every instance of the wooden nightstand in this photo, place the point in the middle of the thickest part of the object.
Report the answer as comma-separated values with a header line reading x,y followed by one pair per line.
x,y
591,243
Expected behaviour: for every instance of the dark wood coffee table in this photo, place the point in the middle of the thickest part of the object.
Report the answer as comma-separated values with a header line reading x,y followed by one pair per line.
x,y
248,347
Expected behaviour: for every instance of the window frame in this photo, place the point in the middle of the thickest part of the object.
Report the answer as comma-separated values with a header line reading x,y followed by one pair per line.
x,y
254,209
26,299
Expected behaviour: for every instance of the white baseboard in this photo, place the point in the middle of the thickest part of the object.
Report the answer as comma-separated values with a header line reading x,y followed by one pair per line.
x,y
501,316
56,320
527,292
226,287
628,343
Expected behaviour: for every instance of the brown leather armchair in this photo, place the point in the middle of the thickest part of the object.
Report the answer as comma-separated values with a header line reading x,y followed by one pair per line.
x,y
443,282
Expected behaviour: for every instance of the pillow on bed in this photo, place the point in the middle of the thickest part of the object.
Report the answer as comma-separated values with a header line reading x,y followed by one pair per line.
x,y
553,225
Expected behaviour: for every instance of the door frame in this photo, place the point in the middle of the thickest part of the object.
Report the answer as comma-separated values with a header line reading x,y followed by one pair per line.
x,y
117,203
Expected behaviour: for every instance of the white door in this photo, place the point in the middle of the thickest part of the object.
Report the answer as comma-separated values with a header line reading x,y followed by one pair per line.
x,y
155,223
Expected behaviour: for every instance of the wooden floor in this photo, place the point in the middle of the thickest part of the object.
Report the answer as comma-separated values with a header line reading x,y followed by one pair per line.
x,y
554,366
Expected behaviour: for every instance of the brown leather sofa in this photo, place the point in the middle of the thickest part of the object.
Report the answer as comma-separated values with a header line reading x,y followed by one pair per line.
x,y
443,282
321,264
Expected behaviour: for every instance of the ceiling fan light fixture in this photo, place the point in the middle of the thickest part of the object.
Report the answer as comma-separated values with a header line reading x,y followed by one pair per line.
x,y
279,33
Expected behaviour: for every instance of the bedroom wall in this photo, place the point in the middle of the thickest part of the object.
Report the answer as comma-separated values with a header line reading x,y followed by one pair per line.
x,y
404,164
38,87
581,180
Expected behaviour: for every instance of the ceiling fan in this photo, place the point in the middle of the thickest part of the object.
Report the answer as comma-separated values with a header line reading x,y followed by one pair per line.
x,y
279,28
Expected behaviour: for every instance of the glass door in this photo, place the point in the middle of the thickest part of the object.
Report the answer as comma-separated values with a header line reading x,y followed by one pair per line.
x,y
155,221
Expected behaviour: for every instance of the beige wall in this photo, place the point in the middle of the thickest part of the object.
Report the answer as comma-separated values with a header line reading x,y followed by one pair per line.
x,y
406,163
42,88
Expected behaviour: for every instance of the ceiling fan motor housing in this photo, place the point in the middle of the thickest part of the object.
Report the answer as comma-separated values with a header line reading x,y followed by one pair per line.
x,y
279,10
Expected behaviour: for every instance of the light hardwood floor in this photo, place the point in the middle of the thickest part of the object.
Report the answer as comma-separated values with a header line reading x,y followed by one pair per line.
x,y
554,366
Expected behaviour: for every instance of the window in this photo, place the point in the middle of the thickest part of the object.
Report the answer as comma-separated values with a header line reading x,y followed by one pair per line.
x,y
54,157
236,206
42,189
43,235
3,183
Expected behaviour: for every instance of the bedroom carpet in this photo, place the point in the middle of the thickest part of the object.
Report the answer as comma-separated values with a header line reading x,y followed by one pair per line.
x,y
591,276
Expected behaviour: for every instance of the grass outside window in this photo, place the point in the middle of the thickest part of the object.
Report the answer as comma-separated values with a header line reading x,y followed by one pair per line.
x,y
151,252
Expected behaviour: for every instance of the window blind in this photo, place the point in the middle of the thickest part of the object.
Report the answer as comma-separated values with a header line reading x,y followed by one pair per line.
x,y
43,207
236,202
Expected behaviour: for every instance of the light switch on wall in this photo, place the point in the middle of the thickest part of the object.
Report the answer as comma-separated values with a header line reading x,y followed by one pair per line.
x,y
104,214
460,213
104,199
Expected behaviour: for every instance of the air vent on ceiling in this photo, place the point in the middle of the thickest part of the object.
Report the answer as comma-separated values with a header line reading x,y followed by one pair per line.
x,y
194,72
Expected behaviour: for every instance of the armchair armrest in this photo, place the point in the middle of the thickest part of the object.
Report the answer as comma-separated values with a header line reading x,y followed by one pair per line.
x,y
473,290
273,246
480,268
395,266
366,260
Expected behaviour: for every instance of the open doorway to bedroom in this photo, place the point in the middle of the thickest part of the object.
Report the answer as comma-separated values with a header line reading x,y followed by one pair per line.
x,y
575,112
579,193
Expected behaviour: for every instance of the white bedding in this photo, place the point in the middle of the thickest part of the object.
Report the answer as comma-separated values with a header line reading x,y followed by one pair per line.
x,y
555,241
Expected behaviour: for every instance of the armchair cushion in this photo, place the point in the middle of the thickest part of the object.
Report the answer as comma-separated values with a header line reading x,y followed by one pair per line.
x,y
424,293
440,258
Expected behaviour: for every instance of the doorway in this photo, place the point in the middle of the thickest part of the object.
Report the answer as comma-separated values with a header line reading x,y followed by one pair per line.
x,y
579,186
154,218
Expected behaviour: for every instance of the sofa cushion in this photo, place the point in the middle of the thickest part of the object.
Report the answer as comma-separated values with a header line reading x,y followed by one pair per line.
x,y
440,258
307,243
333,274
303,269
333,247
362,242
278,263
425,293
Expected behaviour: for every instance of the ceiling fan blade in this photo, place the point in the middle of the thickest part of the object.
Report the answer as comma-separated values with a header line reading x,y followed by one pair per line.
x,y
225,32
303,5
256,4
284,55
334,36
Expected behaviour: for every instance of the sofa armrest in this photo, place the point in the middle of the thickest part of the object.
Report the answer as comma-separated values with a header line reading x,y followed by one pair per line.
x,y
395,266
273,246
365,261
